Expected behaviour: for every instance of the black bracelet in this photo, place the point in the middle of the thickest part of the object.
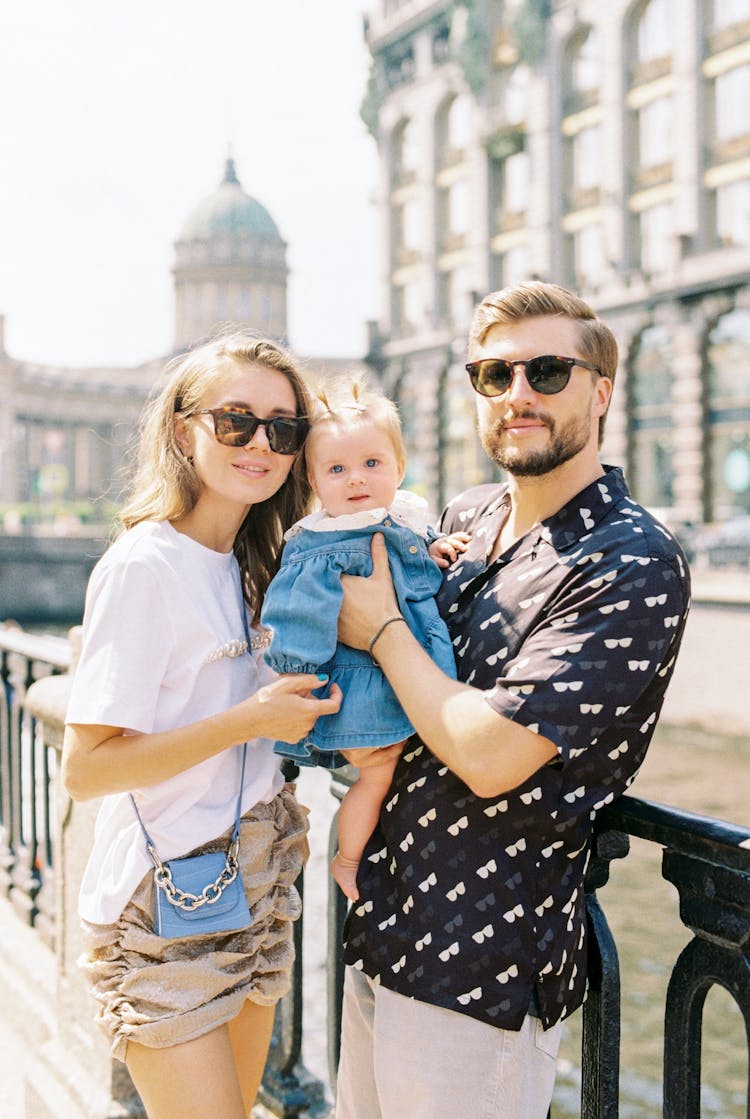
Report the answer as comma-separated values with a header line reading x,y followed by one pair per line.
x,y
395,618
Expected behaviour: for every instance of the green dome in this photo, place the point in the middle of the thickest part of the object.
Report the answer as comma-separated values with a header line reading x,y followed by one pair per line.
x,y
229,210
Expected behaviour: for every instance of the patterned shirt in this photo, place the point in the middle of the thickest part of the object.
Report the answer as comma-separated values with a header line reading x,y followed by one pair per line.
x,y
476,904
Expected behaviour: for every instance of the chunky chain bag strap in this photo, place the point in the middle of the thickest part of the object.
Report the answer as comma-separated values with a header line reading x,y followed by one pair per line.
x,y
201,894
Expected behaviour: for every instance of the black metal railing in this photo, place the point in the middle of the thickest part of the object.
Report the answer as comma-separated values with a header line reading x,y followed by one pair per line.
x,y
27,767
708,862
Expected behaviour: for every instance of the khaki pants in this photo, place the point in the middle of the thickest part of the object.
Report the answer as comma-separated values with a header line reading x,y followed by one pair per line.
x,y
404,1059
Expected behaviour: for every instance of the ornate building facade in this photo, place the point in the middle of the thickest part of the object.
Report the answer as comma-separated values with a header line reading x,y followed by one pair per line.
x,y
604,147
65,433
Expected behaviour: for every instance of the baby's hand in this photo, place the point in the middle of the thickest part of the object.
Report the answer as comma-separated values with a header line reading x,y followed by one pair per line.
x,y
447,549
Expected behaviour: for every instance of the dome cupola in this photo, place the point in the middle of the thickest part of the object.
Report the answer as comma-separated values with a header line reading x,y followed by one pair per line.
x,y
230,266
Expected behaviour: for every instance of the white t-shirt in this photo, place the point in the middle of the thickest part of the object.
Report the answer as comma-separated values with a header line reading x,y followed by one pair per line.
x,y
164,645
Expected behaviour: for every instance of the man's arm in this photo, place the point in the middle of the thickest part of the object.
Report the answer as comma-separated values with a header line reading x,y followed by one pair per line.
x,y
488,751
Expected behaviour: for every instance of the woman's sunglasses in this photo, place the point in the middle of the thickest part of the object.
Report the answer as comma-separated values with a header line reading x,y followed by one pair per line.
x,y
235,427
492,376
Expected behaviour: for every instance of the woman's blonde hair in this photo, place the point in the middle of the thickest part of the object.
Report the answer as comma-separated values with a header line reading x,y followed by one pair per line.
x,y
165,485
346,403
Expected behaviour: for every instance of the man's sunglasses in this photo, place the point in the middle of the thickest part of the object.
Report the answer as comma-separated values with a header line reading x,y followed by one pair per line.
x,y
235,427
492,376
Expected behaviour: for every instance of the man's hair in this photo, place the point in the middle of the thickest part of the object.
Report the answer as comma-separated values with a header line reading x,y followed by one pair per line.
x,y
535,299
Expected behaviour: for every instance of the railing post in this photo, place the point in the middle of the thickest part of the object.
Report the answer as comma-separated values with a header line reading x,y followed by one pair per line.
x,y
715,904
23,881
288,1090
6,775
337,908
600,1047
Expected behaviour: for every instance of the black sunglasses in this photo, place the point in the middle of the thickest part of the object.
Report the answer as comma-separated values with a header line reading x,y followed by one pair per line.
x,y
235,427
548,374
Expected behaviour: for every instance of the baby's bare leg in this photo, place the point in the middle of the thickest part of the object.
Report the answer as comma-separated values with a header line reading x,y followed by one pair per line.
x,y
358,816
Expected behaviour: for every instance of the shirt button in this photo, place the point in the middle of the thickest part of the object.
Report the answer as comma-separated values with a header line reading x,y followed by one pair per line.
x,y
387,524
413,549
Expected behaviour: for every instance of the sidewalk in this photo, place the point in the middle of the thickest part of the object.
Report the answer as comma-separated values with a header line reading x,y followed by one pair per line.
x,y
721,587
12,1061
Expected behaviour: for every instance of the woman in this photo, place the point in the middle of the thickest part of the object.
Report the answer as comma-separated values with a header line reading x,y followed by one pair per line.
x,y
169,687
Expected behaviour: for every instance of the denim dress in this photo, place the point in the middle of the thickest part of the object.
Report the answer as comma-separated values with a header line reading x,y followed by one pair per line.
x,y
302,607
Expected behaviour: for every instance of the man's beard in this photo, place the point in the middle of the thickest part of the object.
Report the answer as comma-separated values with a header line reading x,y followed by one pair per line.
x,y
564,443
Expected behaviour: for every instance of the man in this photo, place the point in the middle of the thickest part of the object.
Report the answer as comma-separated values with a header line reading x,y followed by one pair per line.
x,y
467,946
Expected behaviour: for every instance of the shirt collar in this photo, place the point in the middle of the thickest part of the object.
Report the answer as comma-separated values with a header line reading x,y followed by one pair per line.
x,y
565,528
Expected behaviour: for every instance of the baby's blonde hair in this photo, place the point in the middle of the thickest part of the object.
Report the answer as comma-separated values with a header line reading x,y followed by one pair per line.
x,y
347,403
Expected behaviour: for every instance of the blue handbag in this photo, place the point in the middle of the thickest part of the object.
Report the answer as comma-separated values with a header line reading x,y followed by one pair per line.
x,y
200,894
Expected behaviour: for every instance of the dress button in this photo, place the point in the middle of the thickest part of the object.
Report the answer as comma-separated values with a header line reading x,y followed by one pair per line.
x,y
413,549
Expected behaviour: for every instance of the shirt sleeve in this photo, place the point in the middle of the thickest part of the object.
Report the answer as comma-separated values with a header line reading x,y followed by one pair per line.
x,y
593,654
302,607
127,642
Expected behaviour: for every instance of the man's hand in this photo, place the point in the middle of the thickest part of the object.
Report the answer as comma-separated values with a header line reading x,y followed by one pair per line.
x,y
368,602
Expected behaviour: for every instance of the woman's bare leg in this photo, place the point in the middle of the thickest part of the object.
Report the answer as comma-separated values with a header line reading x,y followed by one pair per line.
x,y
192,1080
250,1036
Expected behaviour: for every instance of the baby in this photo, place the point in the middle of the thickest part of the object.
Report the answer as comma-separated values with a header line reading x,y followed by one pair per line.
x,y
355,460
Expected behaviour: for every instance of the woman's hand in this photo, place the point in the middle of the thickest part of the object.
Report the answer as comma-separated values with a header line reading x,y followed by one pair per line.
x,y
98,760
368,601
286,708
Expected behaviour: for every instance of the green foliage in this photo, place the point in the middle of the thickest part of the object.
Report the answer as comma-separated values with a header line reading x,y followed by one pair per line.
x,y
473,51
530,30
28,513
370,106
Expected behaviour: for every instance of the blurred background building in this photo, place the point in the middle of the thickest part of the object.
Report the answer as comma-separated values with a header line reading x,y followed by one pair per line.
x,y
605,147
66,434
602,146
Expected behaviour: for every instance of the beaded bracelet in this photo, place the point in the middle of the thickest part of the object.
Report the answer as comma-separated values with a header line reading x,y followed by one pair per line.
x,y
395,618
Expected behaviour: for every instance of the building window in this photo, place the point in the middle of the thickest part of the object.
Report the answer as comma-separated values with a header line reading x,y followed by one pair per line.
x,y
582,70
516,94
585,149
654,31
455,297
453,131
732,104
511,265
586,62
405,160
656,133
462,462
408,394
728,407
650,410
458,212
588,261
726,13
654,232
408,240
406,308
510,178
398,66
733,213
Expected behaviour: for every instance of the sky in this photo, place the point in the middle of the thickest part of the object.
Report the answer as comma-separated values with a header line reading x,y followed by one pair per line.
x,y
116,121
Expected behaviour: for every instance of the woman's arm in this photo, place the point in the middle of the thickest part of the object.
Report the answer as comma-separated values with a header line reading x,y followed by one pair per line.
x,y
98,760
489,752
